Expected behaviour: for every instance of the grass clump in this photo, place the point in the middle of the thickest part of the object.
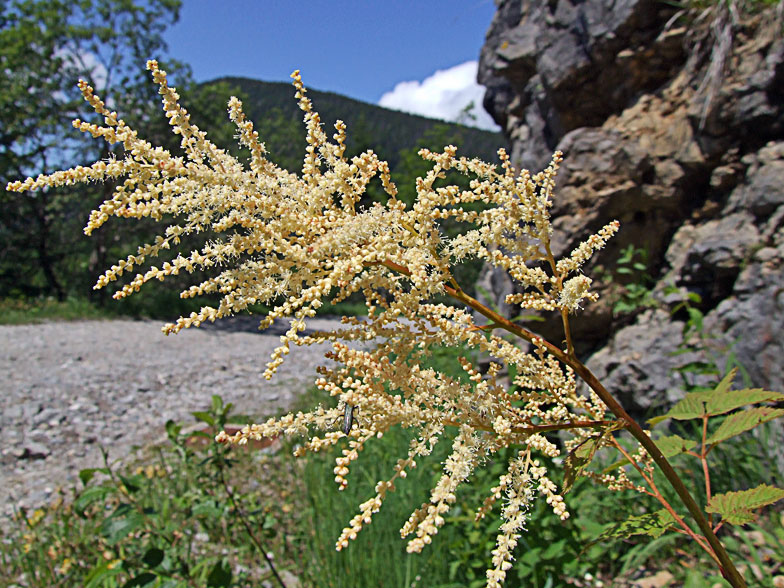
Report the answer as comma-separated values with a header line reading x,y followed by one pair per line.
x,y
17,311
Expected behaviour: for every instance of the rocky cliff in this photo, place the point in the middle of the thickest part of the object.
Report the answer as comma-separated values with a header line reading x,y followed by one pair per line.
x,y
671,121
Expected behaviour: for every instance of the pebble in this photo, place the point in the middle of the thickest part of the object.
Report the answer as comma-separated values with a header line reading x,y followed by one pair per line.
x,y
70,388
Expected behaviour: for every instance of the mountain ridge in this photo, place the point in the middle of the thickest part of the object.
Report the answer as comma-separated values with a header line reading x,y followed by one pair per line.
x,y
276,115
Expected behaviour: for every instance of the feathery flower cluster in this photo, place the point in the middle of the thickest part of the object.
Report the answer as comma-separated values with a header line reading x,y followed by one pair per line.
x,y
295,241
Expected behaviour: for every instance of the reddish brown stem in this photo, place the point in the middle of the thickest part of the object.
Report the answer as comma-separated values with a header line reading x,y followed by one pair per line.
x,y
685,529
728,570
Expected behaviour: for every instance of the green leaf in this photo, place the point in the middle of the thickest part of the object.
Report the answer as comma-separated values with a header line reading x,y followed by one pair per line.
x,y
100,573
669,446
217,403
89,496
204,417
208,508
87,474
554,550
723,400
116,528
695,318
577,460
220,576
144,579
732,399
737,507
726,382
692,406
453,567
270,522
744,420
172,429
581,456
695,367
132,483
720,400
674,445
653,524
153,557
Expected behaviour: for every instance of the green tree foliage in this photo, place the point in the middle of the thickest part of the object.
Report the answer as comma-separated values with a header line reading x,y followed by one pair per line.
x,y
33,107
46,46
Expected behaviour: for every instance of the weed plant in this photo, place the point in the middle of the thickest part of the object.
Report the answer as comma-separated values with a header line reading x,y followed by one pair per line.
x,y
178,517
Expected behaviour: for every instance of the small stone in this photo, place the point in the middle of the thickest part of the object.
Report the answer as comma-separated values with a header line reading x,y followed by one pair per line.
x,y
34,450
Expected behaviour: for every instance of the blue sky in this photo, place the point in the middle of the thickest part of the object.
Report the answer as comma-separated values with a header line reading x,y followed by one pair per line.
x,y
419,56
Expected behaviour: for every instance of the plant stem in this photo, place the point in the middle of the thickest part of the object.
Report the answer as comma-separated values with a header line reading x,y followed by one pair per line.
x,y
245,523
728,570
654,492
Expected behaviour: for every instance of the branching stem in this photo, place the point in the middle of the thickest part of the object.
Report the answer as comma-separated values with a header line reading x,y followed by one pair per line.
x,y
728,569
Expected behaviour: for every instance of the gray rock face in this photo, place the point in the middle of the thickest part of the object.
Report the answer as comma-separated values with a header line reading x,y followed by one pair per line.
x,y
673,124
638,362
551,67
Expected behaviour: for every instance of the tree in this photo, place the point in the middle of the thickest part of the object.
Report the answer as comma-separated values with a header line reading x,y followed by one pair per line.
x,y
45,47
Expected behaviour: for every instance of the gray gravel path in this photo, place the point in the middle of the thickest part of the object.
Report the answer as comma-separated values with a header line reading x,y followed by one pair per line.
x,y
68,387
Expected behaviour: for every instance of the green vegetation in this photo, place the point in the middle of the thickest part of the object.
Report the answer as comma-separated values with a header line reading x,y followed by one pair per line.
x,y
20,312
46,46
389,133
629,282
177,518
194,513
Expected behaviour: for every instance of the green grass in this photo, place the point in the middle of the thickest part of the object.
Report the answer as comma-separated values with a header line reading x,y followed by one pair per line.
x,y
19,312
165,305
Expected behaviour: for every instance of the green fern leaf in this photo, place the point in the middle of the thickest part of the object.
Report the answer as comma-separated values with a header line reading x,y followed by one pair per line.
x,y
737,507
744,420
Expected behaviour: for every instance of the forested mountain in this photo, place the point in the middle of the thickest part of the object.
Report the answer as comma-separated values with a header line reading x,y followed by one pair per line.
x,y
276,115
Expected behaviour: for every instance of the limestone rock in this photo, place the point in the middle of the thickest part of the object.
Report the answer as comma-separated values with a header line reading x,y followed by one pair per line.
x,y
671,122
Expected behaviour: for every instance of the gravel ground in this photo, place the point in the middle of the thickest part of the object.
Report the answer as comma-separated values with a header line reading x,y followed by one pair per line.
x,y
67,388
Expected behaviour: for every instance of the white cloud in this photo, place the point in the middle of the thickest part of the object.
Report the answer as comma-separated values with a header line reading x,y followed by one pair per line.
x,y
443,95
